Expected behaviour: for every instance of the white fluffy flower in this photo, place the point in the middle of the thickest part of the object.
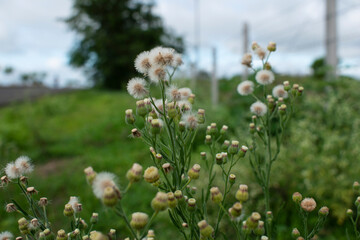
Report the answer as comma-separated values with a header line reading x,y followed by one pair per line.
x,y
190,120
173,93
137,88
184,105
6,236
162,56
265,77
177,60
12,171
74,202
23,163
260,52
102,181
142,62
157,73
185,93
258,108
245,88
279,91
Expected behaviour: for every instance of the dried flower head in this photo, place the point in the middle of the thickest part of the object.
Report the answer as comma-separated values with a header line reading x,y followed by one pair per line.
x,y
142,62
246,59
185,93
173,93
177,60
157,74
137,88
74,202
245,88
10,207
265,77
308,204
258,108
279,92
101,182
12,171
190,120
260,52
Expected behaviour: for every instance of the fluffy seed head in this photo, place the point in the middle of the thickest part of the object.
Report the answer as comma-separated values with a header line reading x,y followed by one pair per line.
x,y
137,88
190,120
258,108
246,59
245,88
12,171
172,93
185,93
177,60
308,204
260,52
142,62
101,182
162,56
279,92
75,204
24,164
6,236
265,77
157,74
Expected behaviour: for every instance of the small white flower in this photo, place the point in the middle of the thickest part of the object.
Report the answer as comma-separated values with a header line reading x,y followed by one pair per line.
x,y
162,56
177,60
265,77
258,108
245,88
6,235
23,163
185,93
102,181
142,62
74,202
12,171
190,120
157,74
279,91
137,88
173,93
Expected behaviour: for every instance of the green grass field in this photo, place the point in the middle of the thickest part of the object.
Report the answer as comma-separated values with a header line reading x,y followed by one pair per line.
x,y
65,133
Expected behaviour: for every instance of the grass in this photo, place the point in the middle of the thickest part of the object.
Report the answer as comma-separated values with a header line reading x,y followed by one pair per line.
x,y
65,133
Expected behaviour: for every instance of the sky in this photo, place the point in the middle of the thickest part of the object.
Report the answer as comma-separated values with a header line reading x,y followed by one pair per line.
x,y
33,37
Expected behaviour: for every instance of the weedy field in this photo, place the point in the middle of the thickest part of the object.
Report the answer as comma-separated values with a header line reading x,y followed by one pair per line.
x,y
66,133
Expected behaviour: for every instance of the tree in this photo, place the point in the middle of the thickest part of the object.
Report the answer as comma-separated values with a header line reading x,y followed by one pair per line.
x,y
112,33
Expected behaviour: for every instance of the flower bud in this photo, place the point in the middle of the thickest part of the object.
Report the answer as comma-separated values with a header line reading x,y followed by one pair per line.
x,y
269,217
264,238
282,109
24,180
208,140
245,228
150,234
287,86
167,167
193,173
90,175
151,174
201,116
172,201
223,129
308,204
356,187
252,127
191,98
156,125
160,202
242,194
243,151
246,59
18,238
129,117
300,90
203,156
254,45
148,106
324,211
134,173
139,220
295,233
267,66
300,238
235,210
35,223
94,218
95,235
182,126
216,195
253,221
357,201
178,194
48,234
110,197
232,178
23,226
135,133
4,180
349,212
271,47
260,229
61,235
68,210
191,204
234,147
225,145
171,110
31,190
184,225
219,158
205,229
141,108
213,129
297,197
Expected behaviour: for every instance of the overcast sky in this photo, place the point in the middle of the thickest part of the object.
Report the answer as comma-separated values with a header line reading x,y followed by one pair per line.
x,y
32,37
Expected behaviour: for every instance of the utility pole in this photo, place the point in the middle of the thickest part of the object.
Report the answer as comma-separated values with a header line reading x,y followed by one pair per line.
x,y
331,39
197,40
214,81
245,49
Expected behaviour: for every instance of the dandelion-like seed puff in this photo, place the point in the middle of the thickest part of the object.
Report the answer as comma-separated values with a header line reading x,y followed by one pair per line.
x,y
265,77
101,182
279,92
245,88
137,88
258,108
6,236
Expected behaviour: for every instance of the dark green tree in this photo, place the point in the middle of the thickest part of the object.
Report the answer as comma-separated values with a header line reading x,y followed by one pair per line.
x,y
111,34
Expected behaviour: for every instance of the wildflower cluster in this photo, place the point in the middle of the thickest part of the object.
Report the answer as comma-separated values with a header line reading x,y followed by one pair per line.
x,y
306,206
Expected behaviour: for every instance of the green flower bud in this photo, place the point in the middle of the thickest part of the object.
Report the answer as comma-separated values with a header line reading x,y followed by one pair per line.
x,y
324,211
242,194
208,140
253,221
151,174
139,220
160,202
191,204
216,195
141,109
232,178
129,117
23,226
134,173
297,197
201,116
68,210
182,126
94,218
234,147
295,233
193,173
235,210
260,229
205,229
61,235
172,201
110,197
224,129
225,145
